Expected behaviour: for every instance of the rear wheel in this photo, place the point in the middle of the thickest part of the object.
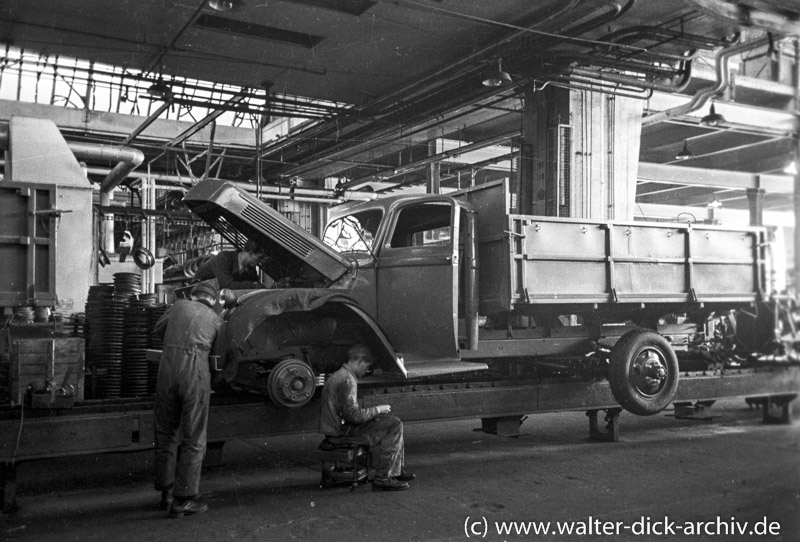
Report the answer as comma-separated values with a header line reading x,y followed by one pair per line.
x,y
643,373
291,383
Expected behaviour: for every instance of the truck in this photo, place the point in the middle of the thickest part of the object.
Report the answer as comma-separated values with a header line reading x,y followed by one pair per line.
x,y
472,311
456,287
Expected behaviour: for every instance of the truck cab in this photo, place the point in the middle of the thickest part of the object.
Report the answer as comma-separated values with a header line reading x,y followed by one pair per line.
x,y
416,267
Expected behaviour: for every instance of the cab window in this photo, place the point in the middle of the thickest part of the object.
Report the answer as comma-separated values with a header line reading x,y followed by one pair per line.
x,y
425,224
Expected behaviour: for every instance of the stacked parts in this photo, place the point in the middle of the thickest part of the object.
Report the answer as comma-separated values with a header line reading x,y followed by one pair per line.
x,y
106,325
135,373
118,329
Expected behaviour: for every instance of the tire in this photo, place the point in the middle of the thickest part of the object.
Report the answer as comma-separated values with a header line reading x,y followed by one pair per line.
x,y
643,373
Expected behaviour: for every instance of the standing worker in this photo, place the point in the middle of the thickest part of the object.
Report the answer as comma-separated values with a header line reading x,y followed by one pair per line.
x,y
183,391
234,269
342,417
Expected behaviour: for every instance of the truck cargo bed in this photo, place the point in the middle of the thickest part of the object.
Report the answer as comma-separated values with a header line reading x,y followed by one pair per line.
x,y
536,260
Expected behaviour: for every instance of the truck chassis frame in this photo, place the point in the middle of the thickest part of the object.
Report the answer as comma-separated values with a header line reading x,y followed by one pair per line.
x,y
127,425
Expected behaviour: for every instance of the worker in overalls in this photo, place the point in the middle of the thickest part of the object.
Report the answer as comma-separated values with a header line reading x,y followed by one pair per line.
x,y
183,392
234,269
341,416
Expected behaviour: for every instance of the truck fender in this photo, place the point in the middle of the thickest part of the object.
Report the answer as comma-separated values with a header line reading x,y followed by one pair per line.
x,y
386,358
352,325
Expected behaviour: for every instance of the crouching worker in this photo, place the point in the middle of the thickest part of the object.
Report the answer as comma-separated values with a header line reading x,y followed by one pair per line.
x,y
183,392
342,417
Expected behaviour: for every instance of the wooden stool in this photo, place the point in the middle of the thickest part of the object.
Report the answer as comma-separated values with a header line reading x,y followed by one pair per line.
x,y
344,460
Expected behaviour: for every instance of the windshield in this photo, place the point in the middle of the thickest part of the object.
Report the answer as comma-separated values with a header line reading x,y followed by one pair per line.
x,y
353,233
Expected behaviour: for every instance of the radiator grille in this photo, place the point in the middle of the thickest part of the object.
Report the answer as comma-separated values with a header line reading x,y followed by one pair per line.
x,y
278,231
228,231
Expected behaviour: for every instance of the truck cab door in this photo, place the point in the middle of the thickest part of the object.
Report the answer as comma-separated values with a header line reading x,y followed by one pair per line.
x,y
417,282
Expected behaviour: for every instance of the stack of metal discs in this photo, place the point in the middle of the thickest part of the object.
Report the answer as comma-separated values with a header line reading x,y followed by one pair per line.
x,y
105,326
156,343
127,285
134,347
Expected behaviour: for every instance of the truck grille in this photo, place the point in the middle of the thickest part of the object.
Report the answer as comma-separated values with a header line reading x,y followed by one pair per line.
x,y
278,231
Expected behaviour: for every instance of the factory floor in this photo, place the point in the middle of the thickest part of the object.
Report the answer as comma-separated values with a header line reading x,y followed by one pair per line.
x,y
666,475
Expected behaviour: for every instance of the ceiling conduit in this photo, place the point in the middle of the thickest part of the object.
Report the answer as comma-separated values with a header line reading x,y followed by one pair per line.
x,y
723,78
592,74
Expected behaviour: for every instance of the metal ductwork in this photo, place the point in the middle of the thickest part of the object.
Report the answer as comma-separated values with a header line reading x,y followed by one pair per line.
x,y
127,159
723,78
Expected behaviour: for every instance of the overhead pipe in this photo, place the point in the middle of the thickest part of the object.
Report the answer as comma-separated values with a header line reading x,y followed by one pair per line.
x,y
635,81
633,34
625,65
267,191
704,94
127,158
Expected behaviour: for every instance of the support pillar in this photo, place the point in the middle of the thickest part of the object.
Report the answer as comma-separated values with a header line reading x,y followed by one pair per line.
x,y
755,199
579,154
796,200
433,179
433,183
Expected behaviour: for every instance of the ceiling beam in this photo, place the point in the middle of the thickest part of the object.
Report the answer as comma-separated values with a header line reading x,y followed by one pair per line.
x,y
766,155
766,120
714,178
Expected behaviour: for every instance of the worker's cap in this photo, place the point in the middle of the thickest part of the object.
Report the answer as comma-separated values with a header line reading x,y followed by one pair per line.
x,y
205,288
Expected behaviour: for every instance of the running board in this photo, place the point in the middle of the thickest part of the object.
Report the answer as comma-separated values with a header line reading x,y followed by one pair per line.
x,y
434,368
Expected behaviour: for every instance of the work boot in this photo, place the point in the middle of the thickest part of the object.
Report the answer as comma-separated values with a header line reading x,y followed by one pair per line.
x,y
167,498
405,476
389,484
188,507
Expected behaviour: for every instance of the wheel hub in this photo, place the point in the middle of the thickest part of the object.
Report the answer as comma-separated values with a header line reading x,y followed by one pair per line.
x,y
291,383
649,372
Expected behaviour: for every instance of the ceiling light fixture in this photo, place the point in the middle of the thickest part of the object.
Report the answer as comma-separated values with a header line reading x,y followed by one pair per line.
x,y
225,5
685,154
498,78
159,89
713,118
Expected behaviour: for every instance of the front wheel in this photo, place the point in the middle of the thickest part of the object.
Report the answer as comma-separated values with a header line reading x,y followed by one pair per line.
x,y
643,373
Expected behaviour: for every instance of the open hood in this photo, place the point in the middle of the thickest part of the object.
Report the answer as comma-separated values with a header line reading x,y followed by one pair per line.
x,y
295,256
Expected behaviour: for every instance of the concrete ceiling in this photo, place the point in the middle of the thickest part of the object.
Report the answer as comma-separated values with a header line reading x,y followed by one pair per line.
x,y
350,51
404,72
